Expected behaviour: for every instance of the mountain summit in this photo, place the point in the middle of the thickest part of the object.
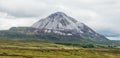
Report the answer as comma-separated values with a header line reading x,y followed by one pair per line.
x,y
57,21
60,23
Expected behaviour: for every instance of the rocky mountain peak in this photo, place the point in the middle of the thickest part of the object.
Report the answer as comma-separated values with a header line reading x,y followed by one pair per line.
x,y
61,14
57,15
63,24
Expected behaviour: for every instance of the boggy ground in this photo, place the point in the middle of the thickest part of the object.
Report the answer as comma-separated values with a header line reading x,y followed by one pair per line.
x,y
41,49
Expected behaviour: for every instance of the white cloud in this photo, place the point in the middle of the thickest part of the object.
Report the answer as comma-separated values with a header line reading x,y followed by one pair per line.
x,y
114,38
8,23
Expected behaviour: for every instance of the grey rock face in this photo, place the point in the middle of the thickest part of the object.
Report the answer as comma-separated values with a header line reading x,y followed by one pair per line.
x,y
62,24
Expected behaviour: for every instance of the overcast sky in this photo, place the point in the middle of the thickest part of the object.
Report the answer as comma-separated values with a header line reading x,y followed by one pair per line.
x,y
102,16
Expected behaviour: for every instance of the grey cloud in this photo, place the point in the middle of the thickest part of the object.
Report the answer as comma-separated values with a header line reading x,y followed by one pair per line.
x,y
22,8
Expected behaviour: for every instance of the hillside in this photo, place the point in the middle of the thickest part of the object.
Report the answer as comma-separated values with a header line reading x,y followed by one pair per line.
x,y
49,37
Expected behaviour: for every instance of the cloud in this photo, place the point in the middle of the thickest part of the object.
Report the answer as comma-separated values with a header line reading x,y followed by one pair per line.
x,y
8,21
101,15
22,8
114,38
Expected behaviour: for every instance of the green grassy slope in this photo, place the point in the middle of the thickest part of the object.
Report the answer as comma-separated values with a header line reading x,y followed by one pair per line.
x,y
56,38
29,43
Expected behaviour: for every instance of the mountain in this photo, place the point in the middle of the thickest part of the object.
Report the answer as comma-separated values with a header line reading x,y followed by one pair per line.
x,y
57,28
62,24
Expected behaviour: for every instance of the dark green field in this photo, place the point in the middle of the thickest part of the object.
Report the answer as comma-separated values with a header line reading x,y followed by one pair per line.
x,y
41,49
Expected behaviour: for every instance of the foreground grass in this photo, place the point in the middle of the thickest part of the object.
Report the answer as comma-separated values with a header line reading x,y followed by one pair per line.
x,y
41,49
59,53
